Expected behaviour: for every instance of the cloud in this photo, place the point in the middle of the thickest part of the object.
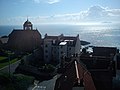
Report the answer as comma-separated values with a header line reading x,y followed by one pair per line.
x,y
52,1
99,13
95,12
47,1
113,12
92,14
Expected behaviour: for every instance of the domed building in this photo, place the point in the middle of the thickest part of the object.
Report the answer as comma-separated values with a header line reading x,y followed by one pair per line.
x,y
27,25
26,39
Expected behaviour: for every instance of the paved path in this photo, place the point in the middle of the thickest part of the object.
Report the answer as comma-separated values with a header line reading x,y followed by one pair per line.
x,y
45,85
12,67
118,75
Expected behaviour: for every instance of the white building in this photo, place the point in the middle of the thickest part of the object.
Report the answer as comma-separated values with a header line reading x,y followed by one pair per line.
x,y
57,46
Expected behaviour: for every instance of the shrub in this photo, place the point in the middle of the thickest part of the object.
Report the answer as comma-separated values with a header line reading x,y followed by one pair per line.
x,y
15,82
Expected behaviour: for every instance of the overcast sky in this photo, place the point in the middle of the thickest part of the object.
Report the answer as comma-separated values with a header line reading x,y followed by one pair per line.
x,y
15,12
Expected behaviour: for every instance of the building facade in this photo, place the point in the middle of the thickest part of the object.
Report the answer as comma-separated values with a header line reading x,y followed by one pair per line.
x,y
57,46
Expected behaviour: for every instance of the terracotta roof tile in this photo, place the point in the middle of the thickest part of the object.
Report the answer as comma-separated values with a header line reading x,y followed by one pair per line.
x,y
69,77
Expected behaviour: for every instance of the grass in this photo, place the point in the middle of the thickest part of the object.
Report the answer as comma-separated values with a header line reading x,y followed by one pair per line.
x,y
2,58
7,63
15,82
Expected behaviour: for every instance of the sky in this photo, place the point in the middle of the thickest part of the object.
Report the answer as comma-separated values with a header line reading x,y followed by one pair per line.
x,y
15,12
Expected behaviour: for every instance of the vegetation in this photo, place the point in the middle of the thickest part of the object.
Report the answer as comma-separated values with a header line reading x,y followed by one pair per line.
x,y
7,63
15,81
2,58
4,55
47,68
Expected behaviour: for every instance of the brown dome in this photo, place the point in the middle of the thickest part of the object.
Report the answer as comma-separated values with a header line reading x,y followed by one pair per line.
x,y
27,22
27,25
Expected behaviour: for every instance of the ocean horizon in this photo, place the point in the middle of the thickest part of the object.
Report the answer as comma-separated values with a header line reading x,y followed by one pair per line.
x,y
107,35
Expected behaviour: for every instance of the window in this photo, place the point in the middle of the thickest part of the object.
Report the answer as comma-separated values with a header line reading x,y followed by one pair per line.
x,y
46,56
69,48
46,51
61,57
69,54
46,45
61,52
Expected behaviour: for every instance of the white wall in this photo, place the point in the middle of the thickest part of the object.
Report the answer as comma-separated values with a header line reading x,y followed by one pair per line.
x,y
47,55
77,46
63,49
55,52
70,51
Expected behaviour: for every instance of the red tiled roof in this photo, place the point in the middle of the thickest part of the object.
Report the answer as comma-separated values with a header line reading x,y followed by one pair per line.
x,y
68,79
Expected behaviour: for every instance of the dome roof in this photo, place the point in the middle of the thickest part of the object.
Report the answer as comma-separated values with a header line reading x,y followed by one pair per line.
x,y
27,22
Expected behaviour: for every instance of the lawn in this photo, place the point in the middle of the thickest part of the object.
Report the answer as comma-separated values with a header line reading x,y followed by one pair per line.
x,y
2,58
7,63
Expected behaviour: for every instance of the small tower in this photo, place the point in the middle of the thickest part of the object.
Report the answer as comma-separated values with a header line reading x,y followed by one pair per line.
x,y
27,25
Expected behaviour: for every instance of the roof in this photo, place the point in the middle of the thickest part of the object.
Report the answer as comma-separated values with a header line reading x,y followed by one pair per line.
x,y
51,37
63,43
72,75
24,39
58,39
104,51
4,40
22,32
69,38
27,22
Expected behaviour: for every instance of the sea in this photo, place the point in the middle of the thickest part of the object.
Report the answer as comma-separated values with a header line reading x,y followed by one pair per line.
x,y
104,34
